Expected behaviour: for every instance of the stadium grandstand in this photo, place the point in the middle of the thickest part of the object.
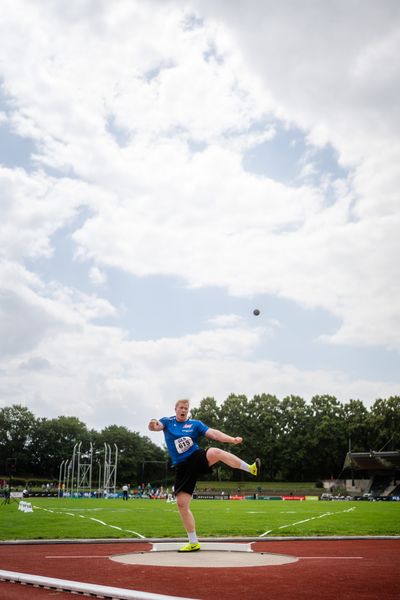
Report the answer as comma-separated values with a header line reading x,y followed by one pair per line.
x,y
380,470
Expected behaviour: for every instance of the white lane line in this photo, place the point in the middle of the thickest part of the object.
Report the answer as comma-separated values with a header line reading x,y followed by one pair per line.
x,y
97,520
92,519
66,556
119,528
327,514
331,557
79,556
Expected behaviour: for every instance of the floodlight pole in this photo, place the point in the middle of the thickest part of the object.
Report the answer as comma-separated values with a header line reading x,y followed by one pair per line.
x,y
78,474
99,467
69,477
352,471
60,476
91,467
67,469
67,473
115,467
106,468
73,469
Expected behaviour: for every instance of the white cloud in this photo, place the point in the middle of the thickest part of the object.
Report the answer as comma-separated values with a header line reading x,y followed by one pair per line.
x,y
31,311
33,207
106,378
97,276
147,116
225,320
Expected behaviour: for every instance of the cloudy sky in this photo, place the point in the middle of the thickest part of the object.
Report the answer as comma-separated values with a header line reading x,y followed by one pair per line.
x,y
168,166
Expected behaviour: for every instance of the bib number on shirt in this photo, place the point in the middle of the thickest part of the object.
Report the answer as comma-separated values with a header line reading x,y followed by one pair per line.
x,y
183,444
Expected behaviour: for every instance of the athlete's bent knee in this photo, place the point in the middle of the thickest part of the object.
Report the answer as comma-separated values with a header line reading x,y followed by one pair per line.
x,y
213,455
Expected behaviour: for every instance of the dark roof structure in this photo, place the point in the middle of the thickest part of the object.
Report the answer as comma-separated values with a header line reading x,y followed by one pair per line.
x,y
372,461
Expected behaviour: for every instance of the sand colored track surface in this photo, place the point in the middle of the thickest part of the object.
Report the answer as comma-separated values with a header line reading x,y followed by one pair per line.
x,y
366,569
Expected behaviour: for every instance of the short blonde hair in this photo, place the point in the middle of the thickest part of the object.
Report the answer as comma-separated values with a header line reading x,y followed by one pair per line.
x,y
184,401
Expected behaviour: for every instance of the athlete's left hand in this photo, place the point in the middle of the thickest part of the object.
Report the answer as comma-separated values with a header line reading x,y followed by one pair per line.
x,y
237,440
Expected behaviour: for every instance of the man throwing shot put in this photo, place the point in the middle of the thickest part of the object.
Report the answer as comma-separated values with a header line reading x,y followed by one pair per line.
x,y
181,435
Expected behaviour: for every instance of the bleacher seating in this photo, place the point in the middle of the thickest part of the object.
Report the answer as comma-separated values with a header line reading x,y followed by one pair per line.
x,y
395,491
379,484
381,468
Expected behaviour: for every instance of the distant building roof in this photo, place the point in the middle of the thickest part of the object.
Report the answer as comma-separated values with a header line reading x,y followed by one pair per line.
x,y
372,461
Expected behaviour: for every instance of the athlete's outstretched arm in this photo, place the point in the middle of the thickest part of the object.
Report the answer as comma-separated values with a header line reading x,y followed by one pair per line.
x,y
220,436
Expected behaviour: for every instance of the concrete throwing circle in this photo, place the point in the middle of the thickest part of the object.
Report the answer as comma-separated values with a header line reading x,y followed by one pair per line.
x,y
212,555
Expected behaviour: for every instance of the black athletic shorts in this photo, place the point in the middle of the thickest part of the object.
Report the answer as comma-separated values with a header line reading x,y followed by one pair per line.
x,y
187,472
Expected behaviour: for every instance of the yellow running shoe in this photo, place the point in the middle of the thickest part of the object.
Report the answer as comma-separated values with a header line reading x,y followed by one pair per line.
x,y
190,547
255,468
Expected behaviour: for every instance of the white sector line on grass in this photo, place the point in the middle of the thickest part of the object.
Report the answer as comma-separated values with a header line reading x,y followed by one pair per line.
x,y
90,519
327,514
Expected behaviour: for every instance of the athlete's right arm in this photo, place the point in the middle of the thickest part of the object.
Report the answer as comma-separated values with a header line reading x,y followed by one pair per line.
x,y
155,425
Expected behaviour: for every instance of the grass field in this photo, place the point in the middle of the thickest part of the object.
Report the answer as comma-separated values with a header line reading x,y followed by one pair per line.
x,y
275,487
90,518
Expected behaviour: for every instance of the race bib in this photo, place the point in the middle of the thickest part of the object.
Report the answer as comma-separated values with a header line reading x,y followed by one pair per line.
x,y
183,444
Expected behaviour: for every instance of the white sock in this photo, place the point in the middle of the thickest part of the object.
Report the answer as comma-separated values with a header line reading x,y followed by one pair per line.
x,y
244,467
192,537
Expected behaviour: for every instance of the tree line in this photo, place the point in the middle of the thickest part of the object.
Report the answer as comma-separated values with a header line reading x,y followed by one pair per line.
x,y
296,440
39,445
300,441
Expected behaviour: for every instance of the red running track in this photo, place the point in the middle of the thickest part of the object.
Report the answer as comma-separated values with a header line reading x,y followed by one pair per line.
x,y
331,570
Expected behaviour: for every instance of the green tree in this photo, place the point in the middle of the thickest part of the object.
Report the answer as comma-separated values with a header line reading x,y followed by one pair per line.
x,y
53,441
296,458
208,412
356,424
328,443
233,421
265,433
233,415
17,424
384,424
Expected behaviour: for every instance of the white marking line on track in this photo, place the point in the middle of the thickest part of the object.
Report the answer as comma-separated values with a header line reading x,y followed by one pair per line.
x,y
91,519
66,556
331,557
80,556
327,514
